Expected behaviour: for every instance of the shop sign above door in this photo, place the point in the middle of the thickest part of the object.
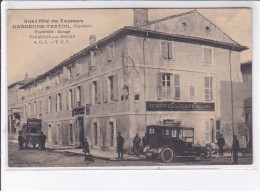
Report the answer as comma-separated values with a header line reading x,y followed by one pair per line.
x,y
179,106
78,111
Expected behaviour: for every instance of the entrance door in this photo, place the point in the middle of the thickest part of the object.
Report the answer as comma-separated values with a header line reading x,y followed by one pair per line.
x,y
49,134
81,130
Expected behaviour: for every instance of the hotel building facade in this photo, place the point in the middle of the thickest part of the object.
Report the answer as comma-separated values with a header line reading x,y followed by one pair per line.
x,y
174,69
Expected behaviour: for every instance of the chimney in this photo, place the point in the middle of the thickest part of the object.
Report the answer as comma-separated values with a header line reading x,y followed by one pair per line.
x,y
140,17
92,39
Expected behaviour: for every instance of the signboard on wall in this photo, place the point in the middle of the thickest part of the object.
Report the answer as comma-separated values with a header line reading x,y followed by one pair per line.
x,y
78,111
179,106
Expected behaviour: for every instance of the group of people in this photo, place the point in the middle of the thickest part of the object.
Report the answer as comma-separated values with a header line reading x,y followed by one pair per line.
x,y
41,142
235,147
120,145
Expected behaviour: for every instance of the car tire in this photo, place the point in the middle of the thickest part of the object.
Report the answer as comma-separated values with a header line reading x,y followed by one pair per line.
x,y
205,154
167,155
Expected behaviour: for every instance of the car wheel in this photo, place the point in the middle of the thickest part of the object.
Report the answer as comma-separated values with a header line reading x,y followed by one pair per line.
x,y
205,154
167,155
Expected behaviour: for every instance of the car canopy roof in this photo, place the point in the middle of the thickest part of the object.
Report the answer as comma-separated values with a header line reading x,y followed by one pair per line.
x,y
173,127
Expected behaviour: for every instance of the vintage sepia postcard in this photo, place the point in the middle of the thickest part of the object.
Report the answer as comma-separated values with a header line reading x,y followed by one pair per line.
x,y
129,87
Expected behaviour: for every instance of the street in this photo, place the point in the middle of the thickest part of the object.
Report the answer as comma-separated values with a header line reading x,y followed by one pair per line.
x,y
50,158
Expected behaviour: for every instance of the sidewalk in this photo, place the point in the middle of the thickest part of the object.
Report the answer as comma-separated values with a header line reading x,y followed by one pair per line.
x,y
96,153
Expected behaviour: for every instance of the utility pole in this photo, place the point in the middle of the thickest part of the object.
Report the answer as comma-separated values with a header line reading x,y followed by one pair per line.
x,y
231,87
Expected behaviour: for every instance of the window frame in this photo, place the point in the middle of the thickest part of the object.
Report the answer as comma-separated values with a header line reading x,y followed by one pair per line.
x,y
161,50
203,56
194,97
113,53
209,89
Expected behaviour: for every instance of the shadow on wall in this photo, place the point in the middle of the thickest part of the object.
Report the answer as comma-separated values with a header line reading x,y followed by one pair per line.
x,y
226,112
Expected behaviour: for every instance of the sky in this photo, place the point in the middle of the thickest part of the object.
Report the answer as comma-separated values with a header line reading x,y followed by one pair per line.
x,y
34,59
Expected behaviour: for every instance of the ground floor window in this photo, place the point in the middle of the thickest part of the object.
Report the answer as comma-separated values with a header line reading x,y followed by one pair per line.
x,y
95,133
71,134
112,133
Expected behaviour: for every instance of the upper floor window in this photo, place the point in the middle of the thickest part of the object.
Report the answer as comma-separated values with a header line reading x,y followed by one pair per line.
x,y
168,86
110,52
70,75
59,103
78,95
34,108
49,105
207,56
93,59
111,87
208,86
70,99
40,107
95,95
192,93
167,51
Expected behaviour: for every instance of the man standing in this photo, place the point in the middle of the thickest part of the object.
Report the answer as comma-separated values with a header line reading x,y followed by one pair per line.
x,y
145,140
20,140
86,148
136,143
120,145
42,140
235,149
221,143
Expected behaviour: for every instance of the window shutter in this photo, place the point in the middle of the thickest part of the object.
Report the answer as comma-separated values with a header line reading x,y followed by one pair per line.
x,y
90,93
110,52
208,55
171,91
74,98
67,99
170,55
164,50
159,86
177,91
82,95
115,85
104,84
99,91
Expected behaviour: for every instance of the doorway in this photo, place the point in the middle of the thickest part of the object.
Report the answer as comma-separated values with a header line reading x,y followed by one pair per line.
x,y
81,130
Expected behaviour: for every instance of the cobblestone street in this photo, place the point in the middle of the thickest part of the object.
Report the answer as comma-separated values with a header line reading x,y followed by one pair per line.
x,y
50,158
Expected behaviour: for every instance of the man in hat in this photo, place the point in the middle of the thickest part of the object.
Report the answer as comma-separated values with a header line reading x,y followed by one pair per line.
x,y
20,140
120,145
235,149
136,144
42,141
86,147
145,140
221,143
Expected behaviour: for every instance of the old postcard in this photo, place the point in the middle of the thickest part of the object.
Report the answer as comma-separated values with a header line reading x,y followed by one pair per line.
x,y
129,87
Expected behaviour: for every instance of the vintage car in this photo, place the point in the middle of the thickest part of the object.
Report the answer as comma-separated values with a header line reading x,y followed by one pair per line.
x,y
31,132
170,141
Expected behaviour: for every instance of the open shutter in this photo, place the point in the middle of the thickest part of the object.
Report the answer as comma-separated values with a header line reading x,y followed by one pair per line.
x,y
74,98
170,54
171,86
104,85
159,86
90,93
115,87
164,49
82,101
177,91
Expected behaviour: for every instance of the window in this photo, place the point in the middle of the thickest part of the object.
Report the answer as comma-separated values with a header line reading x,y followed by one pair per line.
x,y
174,133
112,134
78,95
70,99
95,96
166,50
166,83
192,93
184,26
207,53
110,52
70,71
59,133
151,130
59,103
218,129
95,133
207,140
49,105
208,85
71,134
58,78
177,90
93,59
40,107
30,109
78,68
34,109
111,87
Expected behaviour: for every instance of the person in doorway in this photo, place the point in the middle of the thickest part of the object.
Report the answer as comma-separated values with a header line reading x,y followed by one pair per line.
x,y
221,143
145,140
235,149
88,158
120,145
42,141
20,140
136,144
